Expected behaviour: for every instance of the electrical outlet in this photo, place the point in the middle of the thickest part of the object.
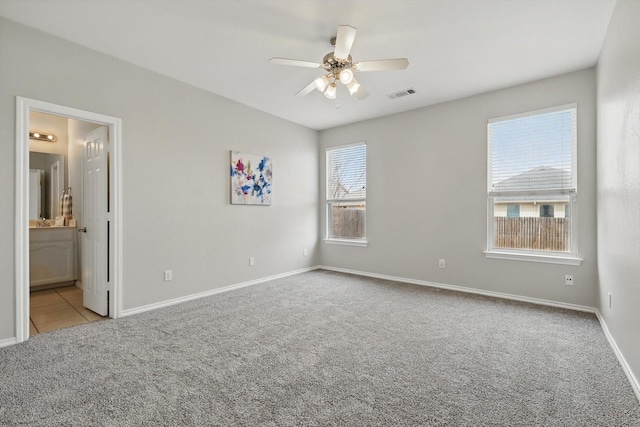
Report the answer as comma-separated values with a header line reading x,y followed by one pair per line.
x,y
304,252
168,275
252,260
568,279
441,263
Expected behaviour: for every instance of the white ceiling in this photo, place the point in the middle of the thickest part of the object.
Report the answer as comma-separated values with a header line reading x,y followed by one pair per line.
x,y
456,48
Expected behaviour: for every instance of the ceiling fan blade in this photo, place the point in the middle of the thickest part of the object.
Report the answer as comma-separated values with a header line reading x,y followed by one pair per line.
x,y
382,64
344,40
361,93
307,89
295,62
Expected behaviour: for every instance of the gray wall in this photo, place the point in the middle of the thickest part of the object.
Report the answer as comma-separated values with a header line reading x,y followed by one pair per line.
x,y
176,142
427,193
619,180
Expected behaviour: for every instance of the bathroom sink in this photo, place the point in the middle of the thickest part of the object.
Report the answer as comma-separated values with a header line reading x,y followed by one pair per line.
x,y
42,223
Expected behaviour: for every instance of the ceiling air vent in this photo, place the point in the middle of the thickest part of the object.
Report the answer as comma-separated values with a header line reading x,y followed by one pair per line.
x,y
402,93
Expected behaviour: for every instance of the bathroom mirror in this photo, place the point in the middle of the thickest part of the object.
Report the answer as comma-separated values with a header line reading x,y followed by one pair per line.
x,y
52,182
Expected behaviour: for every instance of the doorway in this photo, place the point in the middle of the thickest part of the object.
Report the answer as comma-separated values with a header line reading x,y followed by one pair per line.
x,y
113,282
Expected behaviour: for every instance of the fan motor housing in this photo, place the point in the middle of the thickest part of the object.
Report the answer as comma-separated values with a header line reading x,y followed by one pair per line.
x,y
330,63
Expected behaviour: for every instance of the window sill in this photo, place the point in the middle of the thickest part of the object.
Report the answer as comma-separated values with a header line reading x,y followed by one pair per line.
x,y
347,242
519,256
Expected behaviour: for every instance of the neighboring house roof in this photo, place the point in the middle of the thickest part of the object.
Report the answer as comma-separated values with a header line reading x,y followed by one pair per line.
x,y
540,178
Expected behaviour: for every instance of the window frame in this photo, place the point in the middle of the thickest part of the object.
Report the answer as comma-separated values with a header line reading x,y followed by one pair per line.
x,y
568,258
362,242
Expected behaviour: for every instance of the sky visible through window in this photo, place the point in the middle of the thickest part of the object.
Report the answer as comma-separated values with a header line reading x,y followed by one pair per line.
x,y
523,144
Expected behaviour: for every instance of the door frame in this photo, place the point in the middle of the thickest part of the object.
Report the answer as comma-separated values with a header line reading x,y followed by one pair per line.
x,y
23,107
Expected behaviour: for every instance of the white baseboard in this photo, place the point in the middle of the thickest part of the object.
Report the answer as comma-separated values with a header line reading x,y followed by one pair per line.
x,y
635,384
8,341
467,290
191,297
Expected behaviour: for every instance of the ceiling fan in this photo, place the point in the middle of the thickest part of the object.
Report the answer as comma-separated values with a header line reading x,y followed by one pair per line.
x,y
340,67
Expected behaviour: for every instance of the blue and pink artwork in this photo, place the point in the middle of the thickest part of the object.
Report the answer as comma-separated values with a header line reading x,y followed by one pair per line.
x,y
251,177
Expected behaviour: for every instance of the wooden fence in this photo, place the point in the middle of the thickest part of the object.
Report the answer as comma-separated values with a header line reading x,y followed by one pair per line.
x,y
543,234
348,222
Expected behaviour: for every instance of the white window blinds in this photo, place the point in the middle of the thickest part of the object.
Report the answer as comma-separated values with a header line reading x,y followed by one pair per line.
x,y
347,173
533,151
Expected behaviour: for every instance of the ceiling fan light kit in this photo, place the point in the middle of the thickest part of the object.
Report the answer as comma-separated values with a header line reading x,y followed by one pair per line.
x,y
322,83
353,86
346,76
341,68
331,91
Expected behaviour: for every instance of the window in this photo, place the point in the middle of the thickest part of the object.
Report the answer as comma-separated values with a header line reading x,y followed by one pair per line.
x,y
546,211
346,194
532,165
513,211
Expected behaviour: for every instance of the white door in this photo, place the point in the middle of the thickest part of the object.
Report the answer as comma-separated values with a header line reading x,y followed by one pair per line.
x,y
94,216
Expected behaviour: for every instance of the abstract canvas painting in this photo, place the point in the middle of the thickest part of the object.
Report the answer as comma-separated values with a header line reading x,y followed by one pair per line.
x,y
251,177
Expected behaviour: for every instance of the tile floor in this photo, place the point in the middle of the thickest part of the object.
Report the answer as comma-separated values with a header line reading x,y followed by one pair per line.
x,y
57,308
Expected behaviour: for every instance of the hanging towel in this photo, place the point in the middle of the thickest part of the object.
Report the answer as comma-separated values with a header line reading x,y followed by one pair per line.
x,y
65,206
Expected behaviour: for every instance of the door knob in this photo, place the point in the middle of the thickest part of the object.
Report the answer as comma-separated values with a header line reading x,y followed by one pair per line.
x,y
82,230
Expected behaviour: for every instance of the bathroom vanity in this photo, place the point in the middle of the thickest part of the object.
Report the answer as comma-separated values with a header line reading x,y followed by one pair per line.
x,y
52,256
